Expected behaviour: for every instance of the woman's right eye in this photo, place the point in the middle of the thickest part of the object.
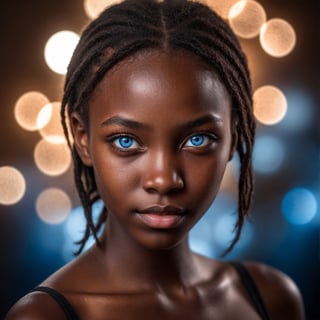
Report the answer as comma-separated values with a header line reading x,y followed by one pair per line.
x,y
125,142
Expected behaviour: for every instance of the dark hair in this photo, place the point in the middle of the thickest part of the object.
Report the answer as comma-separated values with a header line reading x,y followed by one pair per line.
x,y
134,25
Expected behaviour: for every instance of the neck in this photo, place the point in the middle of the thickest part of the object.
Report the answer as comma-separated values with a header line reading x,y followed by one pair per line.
x,y
134,266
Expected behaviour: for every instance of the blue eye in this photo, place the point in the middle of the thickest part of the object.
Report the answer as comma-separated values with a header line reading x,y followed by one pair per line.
x,y
198,140
125,142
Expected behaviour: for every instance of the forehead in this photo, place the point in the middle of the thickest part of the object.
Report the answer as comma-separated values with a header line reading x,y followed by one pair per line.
x,y
173,80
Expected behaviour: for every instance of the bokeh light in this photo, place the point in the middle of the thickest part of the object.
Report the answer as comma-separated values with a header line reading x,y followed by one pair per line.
x,y
215,230
301,112
52,159
299,206
223,231
59,49
44,116
222,7
53,206
12,185
52,131
74,228
229,178
75,225
268,154
94,7
27,109
246,18
277,38
270,105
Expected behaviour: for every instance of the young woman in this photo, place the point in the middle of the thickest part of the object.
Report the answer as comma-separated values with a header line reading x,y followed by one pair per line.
x,y
158,96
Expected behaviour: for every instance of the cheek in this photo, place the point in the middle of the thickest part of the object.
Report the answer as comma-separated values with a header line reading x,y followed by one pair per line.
x,y
115,178
204,180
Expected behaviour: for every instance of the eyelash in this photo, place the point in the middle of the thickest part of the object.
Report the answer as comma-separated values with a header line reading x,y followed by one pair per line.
x,y
209,138
112,141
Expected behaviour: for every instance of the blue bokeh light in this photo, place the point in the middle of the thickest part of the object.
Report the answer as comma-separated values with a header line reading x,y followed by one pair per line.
x,y
268,154
215,231
300,113
75,224
223,232
74,228
299,206
202,247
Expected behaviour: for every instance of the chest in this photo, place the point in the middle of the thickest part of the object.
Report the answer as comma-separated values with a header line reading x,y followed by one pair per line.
x,y
160,307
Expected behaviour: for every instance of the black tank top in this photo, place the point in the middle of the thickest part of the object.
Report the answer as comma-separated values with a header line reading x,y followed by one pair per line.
x,y
245,276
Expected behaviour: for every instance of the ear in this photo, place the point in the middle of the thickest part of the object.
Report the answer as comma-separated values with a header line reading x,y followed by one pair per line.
x,y
81,138
234,141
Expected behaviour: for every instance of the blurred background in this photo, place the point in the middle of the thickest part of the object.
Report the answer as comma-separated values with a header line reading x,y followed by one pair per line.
x,y
40,217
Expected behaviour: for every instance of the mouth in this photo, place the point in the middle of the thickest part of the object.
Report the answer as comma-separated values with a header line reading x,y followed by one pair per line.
x,y
161,217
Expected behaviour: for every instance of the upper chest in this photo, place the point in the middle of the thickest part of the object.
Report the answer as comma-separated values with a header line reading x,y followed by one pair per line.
x,y
190,306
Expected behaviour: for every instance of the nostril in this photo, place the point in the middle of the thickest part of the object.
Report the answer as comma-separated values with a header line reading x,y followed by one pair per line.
x,y
163,184
179,184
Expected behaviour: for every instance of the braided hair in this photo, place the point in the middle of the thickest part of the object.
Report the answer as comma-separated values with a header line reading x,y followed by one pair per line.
x,y
134,25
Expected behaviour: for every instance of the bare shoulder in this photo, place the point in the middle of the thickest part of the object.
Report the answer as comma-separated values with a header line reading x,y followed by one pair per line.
x,y
40,305
279,292
35,306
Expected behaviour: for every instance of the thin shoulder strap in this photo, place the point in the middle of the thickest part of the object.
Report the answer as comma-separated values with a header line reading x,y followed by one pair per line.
x,y
252,290
61,300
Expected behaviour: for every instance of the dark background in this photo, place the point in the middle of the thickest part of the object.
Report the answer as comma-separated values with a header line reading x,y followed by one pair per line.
x,y
31,250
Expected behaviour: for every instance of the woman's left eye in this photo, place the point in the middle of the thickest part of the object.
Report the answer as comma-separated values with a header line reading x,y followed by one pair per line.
x,y
125,143
198,140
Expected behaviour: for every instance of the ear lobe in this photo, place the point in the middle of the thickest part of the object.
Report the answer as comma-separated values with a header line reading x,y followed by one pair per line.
x,y
81,138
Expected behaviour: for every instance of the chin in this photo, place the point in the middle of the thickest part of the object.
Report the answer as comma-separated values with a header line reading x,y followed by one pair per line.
x,y
161,240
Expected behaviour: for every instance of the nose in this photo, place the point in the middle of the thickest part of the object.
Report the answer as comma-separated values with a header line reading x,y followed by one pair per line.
x,y
161,174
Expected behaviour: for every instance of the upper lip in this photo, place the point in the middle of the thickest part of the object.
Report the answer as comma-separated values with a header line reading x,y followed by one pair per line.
x,y
159,209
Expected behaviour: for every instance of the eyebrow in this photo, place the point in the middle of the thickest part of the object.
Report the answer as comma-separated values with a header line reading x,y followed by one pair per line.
x,y
201,121
138,125
124,122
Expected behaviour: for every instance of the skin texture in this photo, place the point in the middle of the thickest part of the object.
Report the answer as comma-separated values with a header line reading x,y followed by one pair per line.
x,y
159,138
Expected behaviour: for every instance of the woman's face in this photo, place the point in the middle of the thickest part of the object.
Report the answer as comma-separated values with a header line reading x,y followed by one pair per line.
x,y
159,140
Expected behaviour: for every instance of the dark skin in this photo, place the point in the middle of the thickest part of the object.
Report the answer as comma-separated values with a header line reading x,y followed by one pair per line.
x,y
160,136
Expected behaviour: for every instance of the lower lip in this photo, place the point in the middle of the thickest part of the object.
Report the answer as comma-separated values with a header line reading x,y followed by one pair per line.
x,y
158,221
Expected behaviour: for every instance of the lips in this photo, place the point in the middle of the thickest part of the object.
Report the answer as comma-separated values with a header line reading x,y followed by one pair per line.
x,y
161,217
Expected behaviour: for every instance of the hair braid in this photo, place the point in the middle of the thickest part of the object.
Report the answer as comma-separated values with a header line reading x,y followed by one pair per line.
x,y
136,25
233,71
